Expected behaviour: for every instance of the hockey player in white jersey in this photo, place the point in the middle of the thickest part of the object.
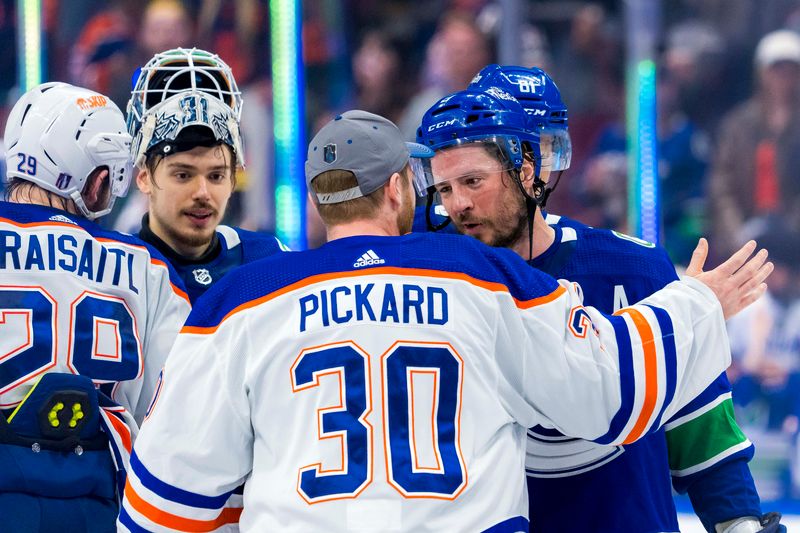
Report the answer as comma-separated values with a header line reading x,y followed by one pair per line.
x,y
384,382
87,316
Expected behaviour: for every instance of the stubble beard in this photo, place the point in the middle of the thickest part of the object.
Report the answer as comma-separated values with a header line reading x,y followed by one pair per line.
x,y
186,235
405,219
507,228
516,230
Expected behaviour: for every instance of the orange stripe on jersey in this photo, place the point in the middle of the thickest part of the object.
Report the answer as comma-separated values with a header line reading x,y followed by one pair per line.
x,y
422,272
541,300
650,373
123,430
228,515
153,261
175,289
53,224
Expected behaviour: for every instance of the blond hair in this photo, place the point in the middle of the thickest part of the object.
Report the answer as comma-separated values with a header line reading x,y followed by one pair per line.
x,y
362,207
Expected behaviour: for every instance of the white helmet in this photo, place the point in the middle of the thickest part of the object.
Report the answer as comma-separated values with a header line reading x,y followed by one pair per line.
x,y
181,88
57,135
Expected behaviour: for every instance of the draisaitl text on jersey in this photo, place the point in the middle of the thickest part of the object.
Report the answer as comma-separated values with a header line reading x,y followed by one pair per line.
x,y
69,253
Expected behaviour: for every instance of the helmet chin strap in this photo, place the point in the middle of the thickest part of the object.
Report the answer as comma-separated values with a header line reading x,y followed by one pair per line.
x,y
428,220
538,199
549,190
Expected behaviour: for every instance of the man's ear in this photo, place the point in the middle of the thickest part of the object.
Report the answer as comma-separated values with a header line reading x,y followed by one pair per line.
x,y
395,187
95,183
143,181
527,171
95,187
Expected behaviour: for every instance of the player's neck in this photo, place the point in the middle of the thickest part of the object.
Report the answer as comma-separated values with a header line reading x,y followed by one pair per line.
x,y
38,196
362,227
543,237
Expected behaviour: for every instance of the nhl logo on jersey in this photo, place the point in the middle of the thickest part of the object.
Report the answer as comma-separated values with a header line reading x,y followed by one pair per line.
x,y
202,276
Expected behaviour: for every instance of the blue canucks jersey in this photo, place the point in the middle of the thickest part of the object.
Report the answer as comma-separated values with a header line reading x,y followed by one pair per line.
x,y
232,248
577,486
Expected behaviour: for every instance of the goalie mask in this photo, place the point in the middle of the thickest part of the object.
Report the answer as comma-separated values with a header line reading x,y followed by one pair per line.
x,y
57,135
179,89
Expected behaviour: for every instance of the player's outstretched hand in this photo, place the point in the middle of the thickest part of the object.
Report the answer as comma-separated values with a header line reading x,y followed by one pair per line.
x,y
737,282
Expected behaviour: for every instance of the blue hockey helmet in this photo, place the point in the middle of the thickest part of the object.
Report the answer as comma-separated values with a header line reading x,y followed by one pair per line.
x,y
490,117
538,94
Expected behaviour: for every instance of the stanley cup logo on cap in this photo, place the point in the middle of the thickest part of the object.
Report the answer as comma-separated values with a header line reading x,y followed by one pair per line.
x,y
329,153
372,150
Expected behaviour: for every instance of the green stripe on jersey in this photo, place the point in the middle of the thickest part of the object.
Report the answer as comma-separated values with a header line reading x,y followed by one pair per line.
x,y
714,434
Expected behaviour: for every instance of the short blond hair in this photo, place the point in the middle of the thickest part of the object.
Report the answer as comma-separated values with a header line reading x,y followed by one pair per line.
x,y
362,207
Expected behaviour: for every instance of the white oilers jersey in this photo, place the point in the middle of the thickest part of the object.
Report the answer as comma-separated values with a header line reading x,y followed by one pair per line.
x,y
395,396
78,299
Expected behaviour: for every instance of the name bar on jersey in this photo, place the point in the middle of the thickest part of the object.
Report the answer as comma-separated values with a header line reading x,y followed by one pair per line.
x,y
406,303
88,259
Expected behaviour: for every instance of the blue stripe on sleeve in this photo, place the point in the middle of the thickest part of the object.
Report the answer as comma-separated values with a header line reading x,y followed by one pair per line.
x,y
126,520
512,525
627,381
169,492
670,358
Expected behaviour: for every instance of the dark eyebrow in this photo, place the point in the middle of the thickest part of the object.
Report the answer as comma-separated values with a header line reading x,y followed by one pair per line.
x,y
472,174
176,165
180,166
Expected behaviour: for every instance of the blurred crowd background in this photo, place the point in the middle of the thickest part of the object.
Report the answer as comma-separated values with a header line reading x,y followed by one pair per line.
x,y
728,100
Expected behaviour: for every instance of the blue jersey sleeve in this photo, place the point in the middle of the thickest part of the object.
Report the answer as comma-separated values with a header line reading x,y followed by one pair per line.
x,y
709,455
616,270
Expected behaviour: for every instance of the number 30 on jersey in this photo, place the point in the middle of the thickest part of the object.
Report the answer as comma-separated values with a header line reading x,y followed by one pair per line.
x,y
423,456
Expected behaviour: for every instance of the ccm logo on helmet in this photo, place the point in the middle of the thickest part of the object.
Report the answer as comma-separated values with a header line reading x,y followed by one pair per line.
x,y
92,102
441,124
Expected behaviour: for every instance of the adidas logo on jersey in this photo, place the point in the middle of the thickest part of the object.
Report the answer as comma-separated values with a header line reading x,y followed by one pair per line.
x,y
61,218
368,258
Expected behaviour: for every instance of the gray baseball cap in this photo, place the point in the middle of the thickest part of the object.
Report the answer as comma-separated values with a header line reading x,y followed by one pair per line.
x,y
368,145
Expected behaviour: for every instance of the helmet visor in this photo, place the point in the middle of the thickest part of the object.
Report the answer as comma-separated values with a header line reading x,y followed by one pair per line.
x,y
419,162
555,149
421,175
486,161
